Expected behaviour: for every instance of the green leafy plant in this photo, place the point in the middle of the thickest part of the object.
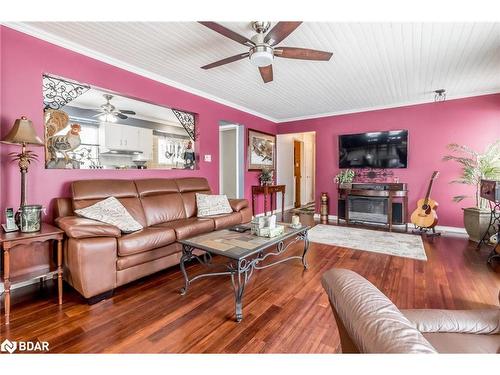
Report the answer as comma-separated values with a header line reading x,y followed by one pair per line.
x,y
345,176
475,166
266,176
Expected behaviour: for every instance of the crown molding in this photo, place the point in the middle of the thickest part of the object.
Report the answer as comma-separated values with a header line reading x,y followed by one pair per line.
x,y
75,47
389,106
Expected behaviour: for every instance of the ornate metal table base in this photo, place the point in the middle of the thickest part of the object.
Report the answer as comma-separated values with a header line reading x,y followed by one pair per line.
x,y
240,270
494,254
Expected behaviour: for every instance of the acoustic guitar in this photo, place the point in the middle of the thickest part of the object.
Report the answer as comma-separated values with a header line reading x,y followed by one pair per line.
x,y
425,215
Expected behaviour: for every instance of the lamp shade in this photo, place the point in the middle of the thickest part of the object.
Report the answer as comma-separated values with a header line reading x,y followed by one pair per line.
x,y
23,132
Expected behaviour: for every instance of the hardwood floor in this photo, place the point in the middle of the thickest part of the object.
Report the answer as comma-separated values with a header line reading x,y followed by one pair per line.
x,y
285,308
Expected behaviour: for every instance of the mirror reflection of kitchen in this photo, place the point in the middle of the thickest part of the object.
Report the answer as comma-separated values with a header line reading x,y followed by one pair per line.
x,y
90,128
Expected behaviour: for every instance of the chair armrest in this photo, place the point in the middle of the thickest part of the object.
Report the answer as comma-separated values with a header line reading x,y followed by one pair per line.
x,y
374,324
238,204
484,322
79,227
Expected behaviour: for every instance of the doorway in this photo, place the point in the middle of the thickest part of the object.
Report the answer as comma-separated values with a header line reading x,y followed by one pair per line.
x,y
296,168
231,166
297,171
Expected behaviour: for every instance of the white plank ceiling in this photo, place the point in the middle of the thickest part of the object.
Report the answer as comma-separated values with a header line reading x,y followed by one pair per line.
x,y
374,65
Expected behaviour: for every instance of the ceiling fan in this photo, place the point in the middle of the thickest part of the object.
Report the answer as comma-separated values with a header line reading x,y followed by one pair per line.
x,y
263,47
109,113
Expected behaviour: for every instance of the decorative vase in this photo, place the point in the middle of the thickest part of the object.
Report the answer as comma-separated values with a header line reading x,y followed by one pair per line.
x,y
476,222
30,218
324,208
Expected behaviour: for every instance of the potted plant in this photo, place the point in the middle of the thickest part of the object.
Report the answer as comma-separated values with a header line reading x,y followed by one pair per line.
x,y
266,177
475,167
344,178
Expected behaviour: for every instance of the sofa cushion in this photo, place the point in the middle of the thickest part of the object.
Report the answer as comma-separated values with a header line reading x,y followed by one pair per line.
x,y
88,192
226,220
238,204
190,184
188,187
145,240
161,200
128,261
209,205
186,228
464,343
478,321
111,211
101,189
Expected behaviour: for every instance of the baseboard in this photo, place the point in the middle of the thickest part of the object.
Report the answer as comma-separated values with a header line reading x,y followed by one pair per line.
x,y
440,228
444,228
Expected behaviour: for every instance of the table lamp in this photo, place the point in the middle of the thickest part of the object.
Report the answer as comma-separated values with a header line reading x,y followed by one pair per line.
x,y
23,133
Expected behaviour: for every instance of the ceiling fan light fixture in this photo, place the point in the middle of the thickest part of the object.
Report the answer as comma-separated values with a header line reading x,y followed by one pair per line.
x,y
261,55
108,117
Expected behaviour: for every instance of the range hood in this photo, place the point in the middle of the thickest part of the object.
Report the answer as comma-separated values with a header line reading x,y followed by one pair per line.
x,y
120,152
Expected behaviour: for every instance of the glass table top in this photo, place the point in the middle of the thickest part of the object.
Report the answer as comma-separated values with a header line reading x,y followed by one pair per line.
x,y
237,245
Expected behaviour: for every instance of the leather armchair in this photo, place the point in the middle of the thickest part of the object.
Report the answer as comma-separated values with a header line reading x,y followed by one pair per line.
x,y
368,322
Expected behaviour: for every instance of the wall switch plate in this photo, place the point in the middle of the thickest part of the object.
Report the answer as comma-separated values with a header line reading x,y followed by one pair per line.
x,y
208,158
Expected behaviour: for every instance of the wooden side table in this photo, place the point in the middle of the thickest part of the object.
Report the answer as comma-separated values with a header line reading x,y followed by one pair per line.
x,y
24,242
269,190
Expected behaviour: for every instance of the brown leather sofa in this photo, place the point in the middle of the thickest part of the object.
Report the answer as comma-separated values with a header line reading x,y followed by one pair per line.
x,y
368,322
98,257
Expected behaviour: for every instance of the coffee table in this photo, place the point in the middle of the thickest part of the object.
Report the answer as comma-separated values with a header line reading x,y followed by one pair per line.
x,y
244,253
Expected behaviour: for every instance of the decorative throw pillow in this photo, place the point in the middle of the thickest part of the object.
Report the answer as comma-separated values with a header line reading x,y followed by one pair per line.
x,y
209,205
111,211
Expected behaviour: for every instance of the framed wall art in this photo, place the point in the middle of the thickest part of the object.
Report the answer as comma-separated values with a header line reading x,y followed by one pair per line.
x,y
261,150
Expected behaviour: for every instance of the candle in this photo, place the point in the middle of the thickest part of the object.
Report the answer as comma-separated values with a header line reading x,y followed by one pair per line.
x,y
295,220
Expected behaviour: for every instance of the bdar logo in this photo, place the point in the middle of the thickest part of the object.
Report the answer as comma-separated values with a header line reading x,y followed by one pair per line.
x,y
8,346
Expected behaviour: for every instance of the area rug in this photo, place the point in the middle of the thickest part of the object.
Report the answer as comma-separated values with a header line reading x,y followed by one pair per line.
x,y
390,243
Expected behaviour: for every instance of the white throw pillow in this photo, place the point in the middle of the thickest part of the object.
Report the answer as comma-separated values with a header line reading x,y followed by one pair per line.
x,y
209,205
111,211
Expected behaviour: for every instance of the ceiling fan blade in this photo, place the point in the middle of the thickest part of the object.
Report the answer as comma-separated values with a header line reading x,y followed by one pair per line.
x,y
266,73
280,31
302,53
127,111
120,115
227,60
228,33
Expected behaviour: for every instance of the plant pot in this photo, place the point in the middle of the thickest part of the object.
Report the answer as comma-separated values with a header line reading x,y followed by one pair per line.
x,y
476,222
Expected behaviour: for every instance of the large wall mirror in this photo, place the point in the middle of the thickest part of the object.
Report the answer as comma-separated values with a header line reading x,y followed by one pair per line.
x,y
90,128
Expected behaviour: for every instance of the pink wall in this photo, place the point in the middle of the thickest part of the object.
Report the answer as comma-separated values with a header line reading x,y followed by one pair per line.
x,y
24,59
473,121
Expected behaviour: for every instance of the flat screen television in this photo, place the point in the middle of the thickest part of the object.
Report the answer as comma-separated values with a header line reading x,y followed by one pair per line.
x,y
386,149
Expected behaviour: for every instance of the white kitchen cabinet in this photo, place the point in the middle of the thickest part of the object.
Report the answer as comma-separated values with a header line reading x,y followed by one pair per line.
x,y
121,137
145,143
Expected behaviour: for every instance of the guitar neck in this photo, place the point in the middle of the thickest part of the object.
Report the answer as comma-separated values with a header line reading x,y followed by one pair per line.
x,y
429,189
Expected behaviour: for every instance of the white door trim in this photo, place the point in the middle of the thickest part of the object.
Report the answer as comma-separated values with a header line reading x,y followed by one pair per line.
x,y
238,131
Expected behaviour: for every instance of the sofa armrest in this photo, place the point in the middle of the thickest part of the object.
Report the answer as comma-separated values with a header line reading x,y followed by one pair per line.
x,y
79,227
374,324
483,322
238,204
63,207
